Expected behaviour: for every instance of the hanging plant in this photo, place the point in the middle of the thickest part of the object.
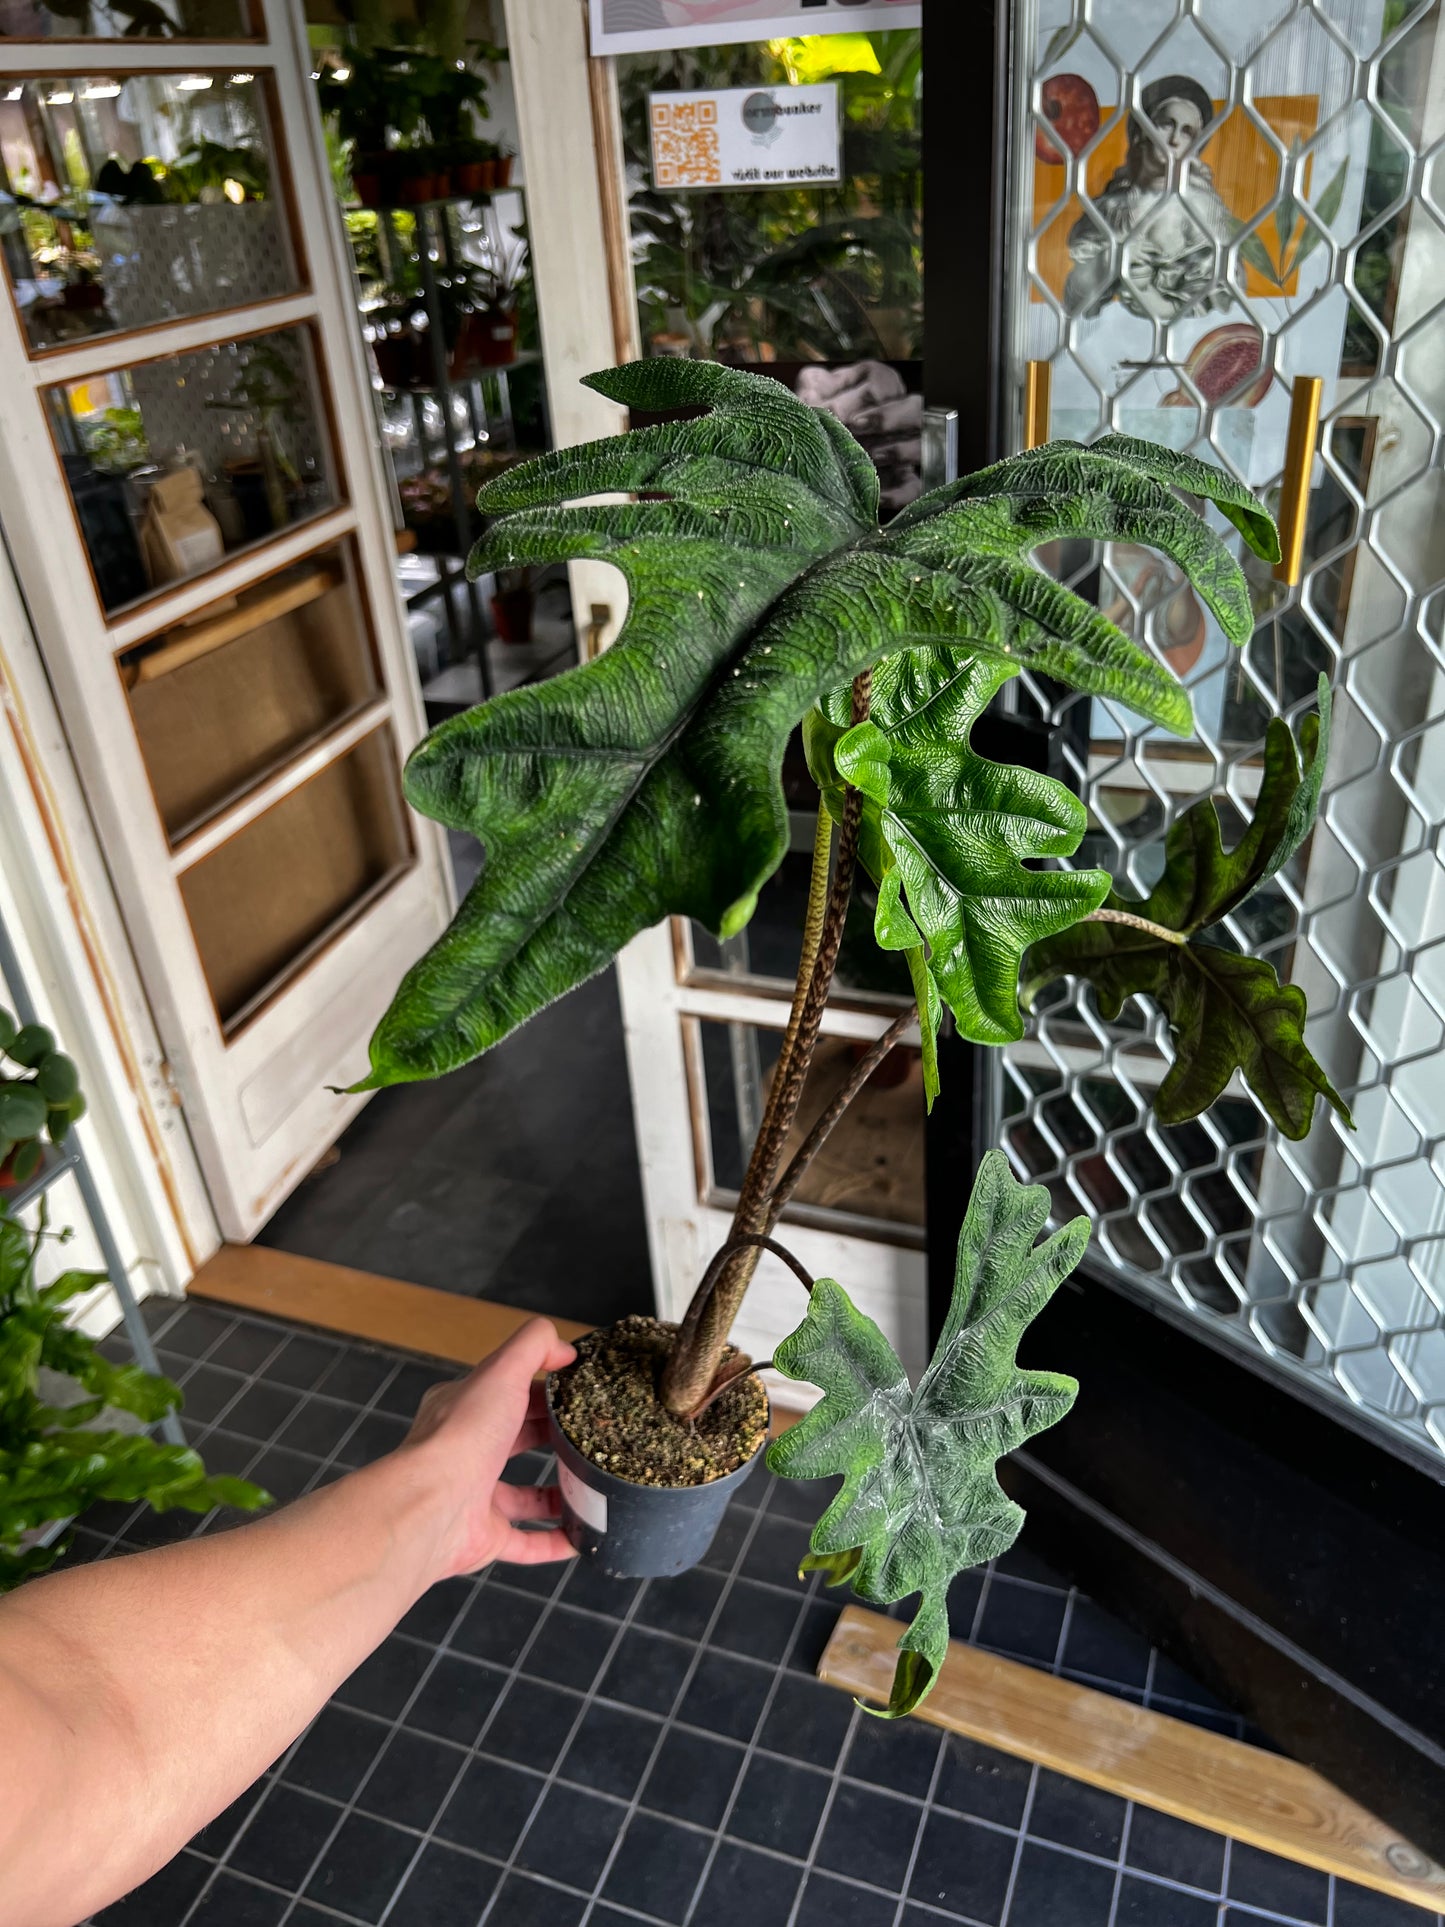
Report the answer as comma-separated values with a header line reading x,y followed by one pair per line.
x,y
39,1097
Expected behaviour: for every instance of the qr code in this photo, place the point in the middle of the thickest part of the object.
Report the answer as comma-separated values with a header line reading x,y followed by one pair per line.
x,y
685,150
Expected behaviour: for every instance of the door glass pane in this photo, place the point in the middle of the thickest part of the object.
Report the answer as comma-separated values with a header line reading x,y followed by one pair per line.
x,y
131,199
820,284
870,1171
338,841
126,20
174,464
1208,208
221,702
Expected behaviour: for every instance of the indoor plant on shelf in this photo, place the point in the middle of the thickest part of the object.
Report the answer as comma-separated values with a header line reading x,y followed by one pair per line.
x,y
647,784
71,1423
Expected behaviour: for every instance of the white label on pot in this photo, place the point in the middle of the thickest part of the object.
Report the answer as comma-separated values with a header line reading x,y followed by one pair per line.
x,y
589,1506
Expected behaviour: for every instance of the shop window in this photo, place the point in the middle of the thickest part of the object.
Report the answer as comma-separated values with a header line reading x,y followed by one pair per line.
x,y
223,702
127,200
127,20
174,464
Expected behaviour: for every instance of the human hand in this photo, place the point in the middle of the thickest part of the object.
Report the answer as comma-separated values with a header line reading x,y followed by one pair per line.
x,y
468,1429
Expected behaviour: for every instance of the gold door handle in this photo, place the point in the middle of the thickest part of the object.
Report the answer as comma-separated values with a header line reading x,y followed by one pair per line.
x,y
1038,380
1294,494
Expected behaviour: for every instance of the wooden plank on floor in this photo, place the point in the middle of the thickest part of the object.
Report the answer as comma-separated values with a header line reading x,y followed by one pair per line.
x,y
383,1311
359,1304
1164,1763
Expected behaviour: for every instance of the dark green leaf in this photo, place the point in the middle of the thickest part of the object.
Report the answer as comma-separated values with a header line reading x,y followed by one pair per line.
x,y
1256,255
27,1160
8,1029
57,1125
920,1499
960,829
1226,1013
30,1045
648,783
22,1111
57,1080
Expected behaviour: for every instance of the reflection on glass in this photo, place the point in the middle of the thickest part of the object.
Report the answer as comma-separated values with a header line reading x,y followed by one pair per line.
x,y
125,20
871,1168
830,272
128,201
173,464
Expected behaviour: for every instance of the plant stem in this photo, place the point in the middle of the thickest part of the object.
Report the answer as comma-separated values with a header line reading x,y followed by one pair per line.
x,y
1137,923
697,1350
815,1140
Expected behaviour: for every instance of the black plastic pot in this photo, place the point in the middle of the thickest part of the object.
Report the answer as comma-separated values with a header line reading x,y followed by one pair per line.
x,y
632,1531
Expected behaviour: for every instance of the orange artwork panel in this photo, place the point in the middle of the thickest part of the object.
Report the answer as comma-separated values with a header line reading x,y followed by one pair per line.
x,y
1246,174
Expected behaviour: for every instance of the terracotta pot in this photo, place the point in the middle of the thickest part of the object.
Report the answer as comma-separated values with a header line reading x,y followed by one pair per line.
x,y
487,171
512,614
503,166
467,179
396,359
416,188
442,184
368,189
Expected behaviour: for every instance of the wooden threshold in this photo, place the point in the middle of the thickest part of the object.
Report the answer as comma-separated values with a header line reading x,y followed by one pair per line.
x,y
359,1304
382,1311
1214,1782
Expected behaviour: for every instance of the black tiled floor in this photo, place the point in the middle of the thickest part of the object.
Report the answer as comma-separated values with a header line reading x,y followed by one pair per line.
x,y
541,1748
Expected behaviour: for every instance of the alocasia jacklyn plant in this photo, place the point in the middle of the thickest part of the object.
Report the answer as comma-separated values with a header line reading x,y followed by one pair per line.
x,y
764,595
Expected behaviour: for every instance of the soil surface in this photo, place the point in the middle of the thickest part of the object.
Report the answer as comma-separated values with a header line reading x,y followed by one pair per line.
x,y
607,1404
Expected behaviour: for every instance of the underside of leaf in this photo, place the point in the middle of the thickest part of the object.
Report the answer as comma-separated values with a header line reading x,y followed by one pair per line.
x,y
920,1499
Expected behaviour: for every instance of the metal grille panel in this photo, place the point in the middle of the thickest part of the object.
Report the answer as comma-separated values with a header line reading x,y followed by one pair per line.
x,y
1298,228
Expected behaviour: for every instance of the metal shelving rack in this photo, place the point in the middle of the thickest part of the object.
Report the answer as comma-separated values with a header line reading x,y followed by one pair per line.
x,y
487,407
71,1158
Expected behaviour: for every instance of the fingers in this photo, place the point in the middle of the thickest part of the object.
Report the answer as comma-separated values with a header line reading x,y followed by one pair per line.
x,y
535,1346
535,1429
520,1548
528,1501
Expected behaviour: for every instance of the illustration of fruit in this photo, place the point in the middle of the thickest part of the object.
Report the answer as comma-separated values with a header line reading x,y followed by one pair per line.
x,y
1229,363
1071,107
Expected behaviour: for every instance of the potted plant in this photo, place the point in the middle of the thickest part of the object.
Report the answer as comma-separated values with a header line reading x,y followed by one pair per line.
x,y
40,1101
71,1423
646,784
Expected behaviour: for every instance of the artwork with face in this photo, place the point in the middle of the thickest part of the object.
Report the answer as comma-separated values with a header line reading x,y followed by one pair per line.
x,y
1154,238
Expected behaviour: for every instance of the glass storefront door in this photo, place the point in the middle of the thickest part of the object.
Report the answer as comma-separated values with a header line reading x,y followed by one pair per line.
x,y
1207,204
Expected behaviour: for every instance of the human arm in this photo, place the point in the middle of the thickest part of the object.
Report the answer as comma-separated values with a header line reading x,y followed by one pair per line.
x,y
140,1696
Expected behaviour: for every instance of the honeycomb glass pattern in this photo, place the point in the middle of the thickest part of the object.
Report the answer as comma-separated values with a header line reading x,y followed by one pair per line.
x,y
1213,197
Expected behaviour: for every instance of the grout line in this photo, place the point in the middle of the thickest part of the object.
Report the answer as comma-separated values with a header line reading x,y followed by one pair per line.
x,y
1115,1897
1013,1873
923,1819
671,1723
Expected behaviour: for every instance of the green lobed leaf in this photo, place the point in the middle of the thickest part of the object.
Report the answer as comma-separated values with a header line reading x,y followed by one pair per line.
x,y
960,829
648,783
1226,1012
30,1045
920,1499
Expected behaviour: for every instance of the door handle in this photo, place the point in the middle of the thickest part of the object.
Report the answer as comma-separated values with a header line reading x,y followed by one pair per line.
x,y
1038,386
1294,494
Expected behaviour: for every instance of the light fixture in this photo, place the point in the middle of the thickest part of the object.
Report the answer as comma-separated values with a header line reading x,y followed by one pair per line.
x,y
194,83
242,80
341,73
61,99
101,90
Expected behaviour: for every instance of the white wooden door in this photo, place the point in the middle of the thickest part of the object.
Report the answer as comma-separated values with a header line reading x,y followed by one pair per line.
x,y
234,675
701,1023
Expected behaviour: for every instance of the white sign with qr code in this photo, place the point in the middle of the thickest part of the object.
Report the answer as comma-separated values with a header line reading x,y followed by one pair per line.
x,y
746,137
589,1506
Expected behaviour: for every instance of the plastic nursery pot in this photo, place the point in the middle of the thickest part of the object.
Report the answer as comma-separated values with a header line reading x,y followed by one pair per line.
x,y
632,1531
